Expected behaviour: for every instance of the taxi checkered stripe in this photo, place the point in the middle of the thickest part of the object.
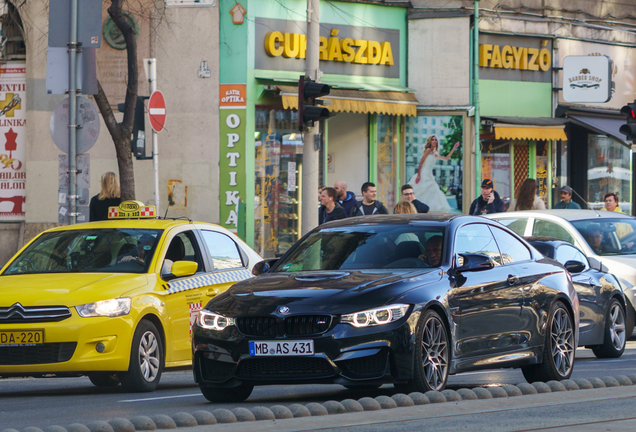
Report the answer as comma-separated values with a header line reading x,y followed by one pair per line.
x,y
147,211
113,212
208,279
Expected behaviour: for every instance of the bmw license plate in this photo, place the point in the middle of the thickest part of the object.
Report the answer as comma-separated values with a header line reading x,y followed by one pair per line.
x,y
282,348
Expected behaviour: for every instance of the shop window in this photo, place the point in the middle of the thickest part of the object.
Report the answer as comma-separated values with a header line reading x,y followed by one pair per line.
x,y
278,166
609,170
543,159
415,131
387,146
433,122
440,182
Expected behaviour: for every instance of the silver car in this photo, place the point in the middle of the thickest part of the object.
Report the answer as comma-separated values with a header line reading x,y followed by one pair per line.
x,y
608,239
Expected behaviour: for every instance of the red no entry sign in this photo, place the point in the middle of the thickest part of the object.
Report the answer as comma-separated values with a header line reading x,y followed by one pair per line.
x,y
157,111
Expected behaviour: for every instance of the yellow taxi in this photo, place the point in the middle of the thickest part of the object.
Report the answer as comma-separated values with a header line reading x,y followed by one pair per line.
x,y
114,300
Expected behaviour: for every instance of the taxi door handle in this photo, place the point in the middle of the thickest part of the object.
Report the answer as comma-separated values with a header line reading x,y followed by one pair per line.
x,y
212,292
513,280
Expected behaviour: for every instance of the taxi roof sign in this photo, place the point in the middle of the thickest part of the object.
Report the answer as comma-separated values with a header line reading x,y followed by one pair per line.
x,y
132,210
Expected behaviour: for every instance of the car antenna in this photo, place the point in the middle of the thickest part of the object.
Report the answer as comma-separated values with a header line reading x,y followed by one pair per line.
x,y
586,203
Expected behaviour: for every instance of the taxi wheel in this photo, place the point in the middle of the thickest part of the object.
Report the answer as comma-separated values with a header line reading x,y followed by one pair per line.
x,y
146,360
234,394
104,379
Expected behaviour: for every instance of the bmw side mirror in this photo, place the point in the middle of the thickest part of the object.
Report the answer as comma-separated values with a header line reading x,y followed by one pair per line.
x,y
574,266
263,266
471,263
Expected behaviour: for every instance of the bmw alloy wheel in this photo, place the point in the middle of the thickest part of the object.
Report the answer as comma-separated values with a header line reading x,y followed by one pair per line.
x,y
617,326
562,335
435,353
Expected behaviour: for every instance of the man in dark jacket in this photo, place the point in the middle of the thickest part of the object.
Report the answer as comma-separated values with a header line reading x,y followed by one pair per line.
x,y
408,195
346,199
369,205
488,202
330,209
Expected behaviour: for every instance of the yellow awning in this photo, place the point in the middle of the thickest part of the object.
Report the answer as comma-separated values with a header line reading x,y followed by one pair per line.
x,y
531,132
380,102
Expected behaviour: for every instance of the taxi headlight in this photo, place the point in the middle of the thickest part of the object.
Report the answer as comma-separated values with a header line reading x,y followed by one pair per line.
x,y
373,317
211,321
105,308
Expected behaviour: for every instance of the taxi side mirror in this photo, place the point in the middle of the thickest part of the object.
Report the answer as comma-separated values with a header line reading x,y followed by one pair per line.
x,y
183,268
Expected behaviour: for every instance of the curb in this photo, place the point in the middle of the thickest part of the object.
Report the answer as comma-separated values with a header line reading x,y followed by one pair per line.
x,y
313,409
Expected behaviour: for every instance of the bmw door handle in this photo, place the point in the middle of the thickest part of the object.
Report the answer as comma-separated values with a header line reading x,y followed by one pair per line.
x,y
513,280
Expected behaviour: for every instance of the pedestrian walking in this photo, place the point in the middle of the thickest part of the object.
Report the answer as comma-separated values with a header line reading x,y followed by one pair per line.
x,y
346,198
369,205
110,196
488,202
566,200
409,195
330,209
527,198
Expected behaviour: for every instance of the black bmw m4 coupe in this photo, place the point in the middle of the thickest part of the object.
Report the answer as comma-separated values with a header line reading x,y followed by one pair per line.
x,y
403,299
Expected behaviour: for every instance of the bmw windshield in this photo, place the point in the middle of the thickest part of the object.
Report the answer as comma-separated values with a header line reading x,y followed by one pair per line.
x,y
608,236
88,251
367,247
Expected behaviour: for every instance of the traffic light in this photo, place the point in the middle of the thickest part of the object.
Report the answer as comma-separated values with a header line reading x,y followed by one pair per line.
x,y
629,129
308,111
138,140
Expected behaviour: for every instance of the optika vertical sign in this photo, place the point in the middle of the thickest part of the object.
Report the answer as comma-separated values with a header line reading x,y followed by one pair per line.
x,y
12,141
232,154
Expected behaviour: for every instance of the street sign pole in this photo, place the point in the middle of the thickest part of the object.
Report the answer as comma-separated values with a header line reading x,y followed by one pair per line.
x,y
152,79
72,122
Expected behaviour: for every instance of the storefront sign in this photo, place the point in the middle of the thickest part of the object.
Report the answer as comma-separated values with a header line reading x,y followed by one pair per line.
x,y
515,58
345,50
13,136
587,79
232,155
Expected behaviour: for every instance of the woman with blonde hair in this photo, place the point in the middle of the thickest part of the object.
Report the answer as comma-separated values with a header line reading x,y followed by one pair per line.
x,y
108,197
527,198
404,207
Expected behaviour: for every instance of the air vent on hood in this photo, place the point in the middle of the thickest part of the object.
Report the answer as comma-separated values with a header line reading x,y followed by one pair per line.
x,y
321,276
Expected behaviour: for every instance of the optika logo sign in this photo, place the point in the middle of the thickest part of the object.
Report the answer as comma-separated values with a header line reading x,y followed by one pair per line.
x,y
233,96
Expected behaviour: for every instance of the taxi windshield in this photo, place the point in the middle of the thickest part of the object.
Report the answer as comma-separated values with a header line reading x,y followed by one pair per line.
x,y
88,251
609,236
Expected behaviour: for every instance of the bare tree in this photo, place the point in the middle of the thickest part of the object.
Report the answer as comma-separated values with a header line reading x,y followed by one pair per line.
x,y
121,133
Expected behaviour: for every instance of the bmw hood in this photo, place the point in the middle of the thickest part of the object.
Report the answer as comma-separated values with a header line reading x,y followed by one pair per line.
x,y
66,289
328,292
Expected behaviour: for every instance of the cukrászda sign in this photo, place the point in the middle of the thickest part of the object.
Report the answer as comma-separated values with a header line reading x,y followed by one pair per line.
x,y
294,45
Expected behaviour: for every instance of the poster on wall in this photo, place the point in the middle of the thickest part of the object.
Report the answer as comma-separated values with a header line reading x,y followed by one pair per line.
x,y
433,160
13,139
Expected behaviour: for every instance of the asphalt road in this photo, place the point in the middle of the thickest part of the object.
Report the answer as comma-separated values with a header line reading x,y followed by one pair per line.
x,y
62,401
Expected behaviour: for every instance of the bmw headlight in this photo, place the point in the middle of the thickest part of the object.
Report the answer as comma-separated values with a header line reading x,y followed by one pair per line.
x,y
105,308
373,317
211,321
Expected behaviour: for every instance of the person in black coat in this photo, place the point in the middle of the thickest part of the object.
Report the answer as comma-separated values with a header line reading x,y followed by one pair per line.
x,y
330,209
108,197
409,195
369,205
488,202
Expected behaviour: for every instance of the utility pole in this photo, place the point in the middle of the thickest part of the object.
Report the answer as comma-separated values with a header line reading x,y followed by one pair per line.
x,y
310,153
476,100
72,118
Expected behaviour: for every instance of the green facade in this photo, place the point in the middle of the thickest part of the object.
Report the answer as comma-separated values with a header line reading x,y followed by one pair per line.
x,y
515,99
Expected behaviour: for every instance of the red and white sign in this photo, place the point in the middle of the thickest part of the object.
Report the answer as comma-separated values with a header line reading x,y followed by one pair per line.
x,y
157,111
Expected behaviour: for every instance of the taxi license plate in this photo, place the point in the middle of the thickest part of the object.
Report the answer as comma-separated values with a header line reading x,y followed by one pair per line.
x,y
282,348
18,337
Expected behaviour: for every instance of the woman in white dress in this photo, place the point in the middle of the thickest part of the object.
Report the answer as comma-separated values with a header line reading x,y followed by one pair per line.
x,y
423,182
